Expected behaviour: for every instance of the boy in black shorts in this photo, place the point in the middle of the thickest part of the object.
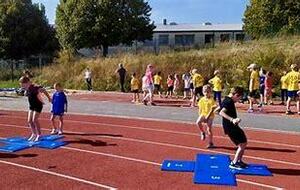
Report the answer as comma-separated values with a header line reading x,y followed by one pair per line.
x,y
231,128
35,106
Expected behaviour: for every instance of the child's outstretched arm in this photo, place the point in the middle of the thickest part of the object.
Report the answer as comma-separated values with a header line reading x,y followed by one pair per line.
x,y
44,91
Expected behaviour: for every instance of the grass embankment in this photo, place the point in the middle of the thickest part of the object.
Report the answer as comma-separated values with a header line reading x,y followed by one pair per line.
x,y
231,59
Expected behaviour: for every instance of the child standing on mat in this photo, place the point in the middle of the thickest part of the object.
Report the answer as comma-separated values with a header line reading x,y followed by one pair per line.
x,y
59,106
207,106
35,106
230,125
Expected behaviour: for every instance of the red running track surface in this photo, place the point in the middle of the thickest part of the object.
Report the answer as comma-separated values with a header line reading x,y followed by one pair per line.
x,y
108,152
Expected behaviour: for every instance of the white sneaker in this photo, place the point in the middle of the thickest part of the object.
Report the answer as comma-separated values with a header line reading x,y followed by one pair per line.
x,y
53,132
37,138
31,137
60,132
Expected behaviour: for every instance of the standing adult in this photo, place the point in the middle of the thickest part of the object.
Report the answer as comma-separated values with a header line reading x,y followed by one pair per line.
x,y
122,73
88,78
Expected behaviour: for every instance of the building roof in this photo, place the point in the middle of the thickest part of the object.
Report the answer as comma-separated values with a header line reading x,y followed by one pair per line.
x,y
197,27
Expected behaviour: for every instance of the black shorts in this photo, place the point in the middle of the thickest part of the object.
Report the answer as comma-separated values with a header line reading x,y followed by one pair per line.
x,y
36,108
237,135
135,91
170,88
157,87
198,90
253,94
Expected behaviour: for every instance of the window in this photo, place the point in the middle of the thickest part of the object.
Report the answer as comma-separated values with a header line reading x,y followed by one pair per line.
x,y
224,37
209,38
239,37
184,39
148,43
163,39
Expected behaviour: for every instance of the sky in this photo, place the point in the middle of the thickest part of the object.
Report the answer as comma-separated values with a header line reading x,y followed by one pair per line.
x,y
182,11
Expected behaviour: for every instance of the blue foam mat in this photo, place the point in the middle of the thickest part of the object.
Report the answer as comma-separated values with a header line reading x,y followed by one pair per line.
x,y
213,169
14,139
253,169
51,137
50,144
215,178
178,165
13,147
208,162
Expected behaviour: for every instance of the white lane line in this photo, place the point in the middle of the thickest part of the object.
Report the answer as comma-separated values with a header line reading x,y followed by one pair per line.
x,y
178,146
169,131
140,160
162,120
58,174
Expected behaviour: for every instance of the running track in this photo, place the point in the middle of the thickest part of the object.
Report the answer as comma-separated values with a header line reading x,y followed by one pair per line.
x,y
108,153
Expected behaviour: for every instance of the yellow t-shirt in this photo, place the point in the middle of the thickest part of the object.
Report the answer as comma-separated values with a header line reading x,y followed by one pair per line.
x,y
284,84
157,79
205,106
293,79
134,83
255,80
217,83
198,80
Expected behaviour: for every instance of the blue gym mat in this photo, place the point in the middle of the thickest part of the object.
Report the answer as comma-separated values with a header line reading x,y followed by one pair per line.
x,y
51,137
254,169
49,144
213,169
13,147
178,165
13,144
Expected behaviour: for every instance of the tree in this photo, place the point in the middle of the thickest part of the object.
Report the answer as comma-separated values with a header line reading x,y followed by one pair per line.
x,y
271,17
24,30
102,23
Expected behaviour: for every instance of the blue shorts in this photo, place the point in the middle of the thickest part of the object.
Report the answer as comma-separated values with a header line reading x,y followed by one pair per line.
x,y
58,114
292,94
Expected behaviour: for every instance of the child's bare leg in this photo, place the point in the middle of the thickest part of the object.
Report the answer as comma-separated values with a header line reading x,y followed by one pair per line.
x,y
61,125
52,119
239,152
209,131
30,124
36,124
138,97
288,103
199,124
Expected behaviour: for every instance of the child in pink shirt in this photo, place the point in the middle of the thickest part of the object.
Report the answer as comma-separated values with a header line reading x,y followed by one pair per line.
x,y
170,84
268,87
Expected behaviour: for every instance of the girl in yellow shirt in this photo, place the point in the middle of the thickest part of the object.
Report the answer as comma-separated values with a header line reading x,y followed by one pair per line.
x,y
217,86
207,106
134,83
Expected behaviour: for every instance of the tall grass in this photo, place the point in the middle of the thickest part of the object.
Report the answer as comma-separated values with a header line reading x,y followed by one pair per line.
x,y
231,59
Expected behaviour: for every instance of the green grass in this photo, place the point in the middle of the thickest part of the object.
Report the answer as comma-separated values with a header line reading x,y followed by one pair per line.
x,y
9,84
231,59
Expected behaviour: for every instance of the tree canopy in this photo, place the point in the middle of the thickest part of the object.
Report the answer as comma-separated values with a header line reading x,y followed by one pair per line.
x,y
24,30
271,17
102,23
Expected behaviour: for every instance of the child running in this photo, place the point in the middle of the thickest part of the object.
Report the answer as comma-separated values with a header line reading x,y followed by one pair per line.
x,y
230,125
35,106
207,106
157,83
59,106
187,84
170,84
283,87
268,88
134,83
176,85
293,78
217,86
